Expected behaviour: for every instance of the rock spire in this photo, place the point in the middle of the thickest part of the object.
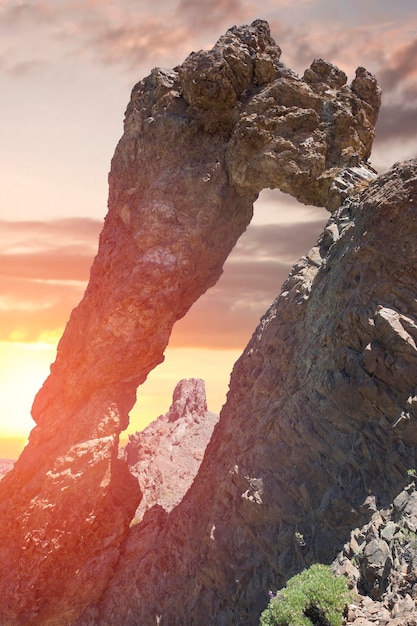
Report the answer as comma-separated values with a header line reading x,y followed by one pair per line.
x,y
166,455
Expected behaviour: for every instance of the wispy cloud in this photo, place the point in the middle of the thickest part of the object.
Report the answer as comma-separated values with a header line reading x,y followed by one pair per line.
x,y
227,315
26,68
30,14
44,268
63,263
17,236
217,14
402,66
42,280
134,44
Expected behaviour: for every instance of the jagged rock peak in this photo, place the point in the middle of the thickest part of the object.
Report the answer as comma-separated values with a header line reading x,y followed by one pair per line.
x,y
282,131
166,455
189,400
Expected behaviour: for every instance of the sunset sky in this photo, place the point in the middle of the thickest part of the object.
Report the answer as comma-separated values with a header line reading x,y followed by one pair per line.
x,y
66,71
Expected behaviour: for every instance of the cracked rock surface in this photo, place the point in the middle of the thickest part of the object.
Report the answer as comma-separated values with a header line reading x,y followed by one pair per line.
x,y
380,562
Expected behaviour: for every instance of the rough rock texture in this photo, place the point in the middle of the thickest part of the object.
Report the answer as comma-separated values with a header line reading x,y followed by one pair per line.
x,y
166,455
200,142
380,561
319,424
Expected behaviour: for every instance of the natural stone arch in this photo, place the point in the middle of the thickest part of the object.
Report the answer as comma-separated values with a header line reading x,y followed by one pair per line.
x,y
200,142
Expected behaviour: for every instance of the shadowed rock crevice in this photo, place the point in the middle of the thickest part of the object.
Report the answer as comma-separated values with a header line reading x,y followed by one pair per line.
x,y
200,142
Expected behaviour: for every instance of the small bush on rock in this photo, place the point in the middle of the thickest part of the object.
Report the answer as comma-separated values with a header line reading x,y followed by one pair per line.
x,y
314,597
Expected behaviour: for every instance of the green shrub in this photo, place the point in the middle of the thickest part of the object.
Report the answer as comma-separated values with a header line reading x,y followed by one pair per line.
x,y
315,597
408,538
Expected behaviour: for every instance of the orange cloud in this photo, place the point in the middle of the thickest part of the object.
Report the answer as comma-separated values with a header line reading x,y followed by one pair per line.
x,y
44,267
16,236
59,264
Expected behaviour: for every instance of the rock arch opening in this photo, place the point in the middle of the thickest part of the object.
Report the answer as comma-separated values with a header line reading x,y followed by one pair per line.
x,y
207,341
200,143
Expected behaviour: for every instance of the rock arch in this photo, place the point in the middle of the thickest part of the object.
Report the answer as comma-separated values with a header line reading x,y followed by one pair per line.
x,y
200,142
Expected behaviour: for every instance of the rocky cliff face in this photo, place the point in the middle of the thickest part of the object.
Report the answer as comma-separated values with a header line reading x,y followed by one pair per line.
x,y
380,561
166,455
320,421
200,142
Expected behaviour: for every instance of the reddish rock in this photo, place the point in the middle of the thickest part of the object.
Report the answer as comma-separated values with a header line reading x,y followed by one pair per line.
x,y
166,455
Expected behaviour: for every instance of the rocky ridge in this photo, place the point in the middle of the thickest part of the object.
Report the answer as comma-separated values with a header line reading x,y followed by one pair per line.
x,y
166,455
200,142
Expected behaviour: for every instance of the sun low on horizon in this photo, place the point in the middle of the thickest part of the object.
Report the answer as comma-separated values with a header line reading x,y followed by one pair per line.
x,y
204,344
24,367
66,73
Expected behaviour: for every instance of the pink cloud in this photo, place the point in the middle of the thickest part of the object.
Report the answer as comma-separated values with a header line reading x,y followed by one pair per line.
x,y
26,67
402,66
29,13
137,44
216,15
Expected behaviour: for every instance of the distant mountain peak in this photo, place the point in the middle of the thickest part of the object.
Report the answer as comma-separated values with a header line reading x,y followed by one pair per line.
x,y
166,455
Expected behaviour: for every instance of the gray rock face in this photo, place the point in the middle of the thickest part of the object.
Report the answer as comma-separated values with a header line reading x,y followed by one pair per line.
x,y
315,435
380,561
199,143
166,455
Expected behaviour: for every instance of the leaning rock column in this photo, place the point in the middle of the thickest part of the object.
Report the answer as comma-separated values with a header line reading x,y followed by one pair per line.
x,y
199,144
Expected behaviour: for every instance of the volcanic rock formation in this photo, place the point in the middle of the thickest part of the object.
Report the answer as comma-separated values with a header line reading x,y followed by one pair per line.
x,y
199,144
319,429
166,455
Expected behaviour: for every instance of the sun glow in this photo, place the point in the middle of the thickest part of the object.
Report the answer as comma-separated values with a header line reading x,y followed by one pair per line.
x,y
23,368
155,395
